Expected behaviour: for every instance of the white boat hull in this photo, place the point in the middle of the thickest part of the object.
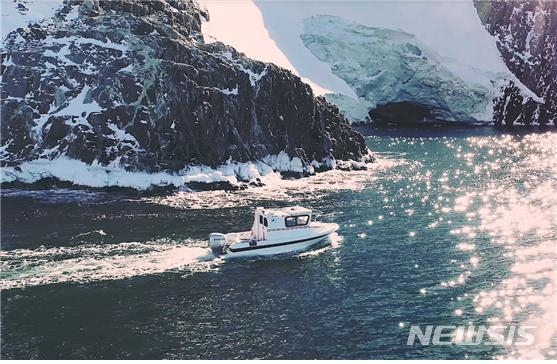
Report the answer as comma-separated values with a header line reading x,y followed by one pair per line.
x,y
281,246
291,248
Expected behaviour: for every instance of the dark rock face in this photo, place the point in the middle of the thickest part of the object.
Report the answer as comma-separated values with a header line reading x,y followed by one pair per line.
x,y
526,33
132,84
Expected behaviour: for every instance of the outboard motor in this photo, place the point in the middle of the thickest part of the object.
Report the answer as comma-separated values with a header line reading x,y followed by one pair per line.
x,y
217,241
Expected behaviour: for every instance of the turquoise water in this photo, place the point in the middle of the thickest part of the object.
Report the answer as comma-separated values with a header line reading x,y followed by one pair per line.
x,y
452,228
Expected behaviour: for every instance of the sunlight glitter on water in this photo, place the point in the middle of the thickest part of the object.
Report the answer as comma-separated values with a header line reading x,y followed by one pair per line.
x,y
518,210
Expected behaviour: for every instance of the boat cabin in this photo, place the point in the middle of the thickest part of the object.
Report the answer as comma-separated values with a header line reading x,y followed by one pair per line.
x,y
269,222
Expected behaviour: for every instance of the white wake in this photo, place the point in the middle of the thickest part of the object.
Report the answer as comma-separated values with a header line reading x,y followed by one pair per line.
x,y
96,262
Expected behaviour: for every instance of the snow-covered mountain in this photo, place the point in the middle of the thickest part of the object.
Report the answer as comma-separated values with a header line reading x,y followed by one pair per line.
x,y
127,93
360,55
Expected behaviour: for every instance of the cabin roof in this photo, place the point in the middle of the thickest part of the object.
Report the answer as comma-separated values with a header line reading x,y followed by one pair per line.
x,y
288,211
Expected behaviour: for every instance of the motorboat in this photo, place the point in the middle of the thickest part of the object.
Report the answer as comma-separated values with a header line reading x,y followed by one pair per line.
x,y
274,231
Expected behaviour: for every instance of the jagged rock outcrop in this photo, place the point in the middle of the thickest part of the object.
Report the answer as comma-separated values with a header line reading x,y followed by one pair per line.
x,y
132,84
526,33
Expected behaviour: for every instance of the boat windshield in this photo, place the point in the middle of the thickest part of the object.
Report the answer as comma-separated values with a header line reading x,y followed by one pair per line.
x,y
291,221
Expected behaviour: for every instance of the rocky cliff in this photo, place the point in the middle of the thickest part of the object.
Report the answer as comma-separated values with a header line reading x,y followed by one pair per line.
x,y
131,84
526,33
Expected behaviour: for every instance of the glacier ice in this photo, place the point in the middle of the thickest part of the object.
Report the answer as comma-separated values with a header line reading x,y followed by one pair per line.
x,y
390,66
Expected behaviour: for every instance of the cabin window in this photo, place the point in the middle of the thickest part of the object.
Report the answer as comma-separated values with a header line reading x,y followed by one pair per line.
x,y
260,219
303,220
265,222
291,221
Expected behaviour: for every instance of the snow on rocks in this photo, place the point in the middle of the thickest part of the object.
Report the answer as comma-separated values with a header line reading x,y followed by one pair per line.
x,y
102,176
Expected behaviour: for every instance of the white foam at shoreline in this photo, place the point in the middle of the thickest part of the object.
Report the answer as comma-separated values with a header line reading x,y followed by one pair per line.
x,y
99,176
277,188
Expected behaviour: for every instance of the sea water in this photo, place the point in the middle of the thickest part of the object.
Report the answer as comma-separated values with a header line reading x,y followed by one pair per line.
x,y
446,229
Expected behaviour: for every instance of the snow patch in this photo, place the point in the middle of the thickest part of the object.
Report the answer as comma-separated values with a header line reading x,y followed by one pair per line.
x,y
253,77
19,14
251,37
283,163
73,14
78,105
230,91
78,41
128,68
123,137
